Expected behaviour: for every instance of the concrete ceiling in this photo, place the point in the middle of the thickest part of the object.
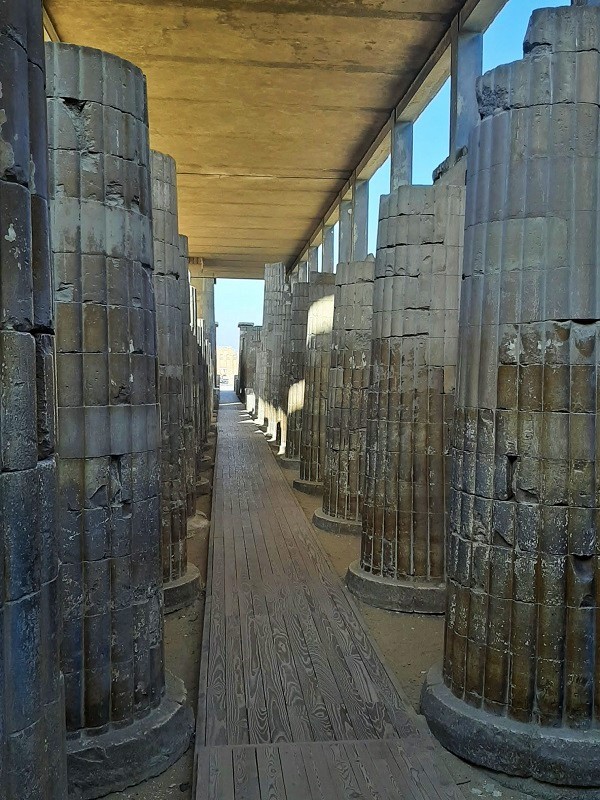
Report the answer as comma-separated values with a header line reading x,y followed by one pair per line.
x,y
266,105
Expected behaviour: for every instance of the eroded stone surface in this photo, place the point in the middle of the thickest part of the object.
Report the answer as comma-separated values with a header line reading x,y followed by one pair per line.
x,y
321,293
108,415
411,402
32,727
521,633
295,357
348,391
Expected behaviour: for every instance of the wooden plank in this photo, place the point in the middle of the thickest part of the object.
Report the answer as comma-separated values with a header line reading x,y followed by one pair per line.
x,y
237,717
286,658
294,773
272,785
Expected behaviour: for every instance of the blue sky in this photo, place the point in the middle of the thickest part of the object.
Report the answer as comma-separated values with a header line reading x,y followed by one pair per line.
x,y
241,301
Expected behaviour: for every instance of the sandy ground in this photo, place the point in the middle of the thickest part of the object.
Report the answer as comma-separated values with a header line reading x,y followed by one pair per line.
x,y
410,643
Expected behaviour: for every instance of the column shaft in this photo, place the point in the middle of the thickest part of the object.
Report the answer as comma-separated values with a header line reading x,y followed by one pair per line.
x,y
32,727
520,690
108,416
348,392
316,381
415,327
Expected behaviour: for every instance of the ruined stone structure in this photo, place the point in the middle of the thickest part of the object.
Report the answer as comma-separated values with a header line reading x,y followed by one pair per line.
x,y
415,329
520,684
32,728
123,721
316,382
294,355
345,440
172,313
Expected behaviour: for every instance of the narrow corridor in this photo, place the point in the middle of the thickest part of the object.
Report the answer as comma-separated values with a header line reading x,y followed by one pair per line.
x,y
295,701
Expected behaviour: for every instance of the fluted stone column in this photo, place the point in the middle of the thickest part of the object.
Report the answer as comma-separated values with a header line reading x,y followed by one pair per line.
x,y
32,725
521,676
124,723
415,328
295,347
346,434
181,580
316,382
205,300
269,360
283,354
190,362
247,364
254,348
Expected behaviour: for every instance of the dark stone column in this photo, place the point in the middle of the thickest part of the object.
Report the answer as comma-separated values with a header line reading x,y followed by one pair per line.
x,y
32,726
247,364
415,328
346,436
254,343
316,382
190,368
521,678
124,723
296,347
282,354
205,304
181,580
269,359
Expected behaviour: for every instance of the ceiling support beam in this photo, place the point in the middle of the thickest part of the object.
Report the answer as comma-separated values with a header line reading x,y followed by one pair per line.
x,y
474,17
402,154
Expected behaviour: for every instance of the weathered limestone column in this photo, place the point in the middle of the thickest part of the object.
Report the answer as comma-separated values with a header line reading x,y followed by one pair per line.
x,y
269,362
521,676
190,362
346,434
32,726
246,360
415,329
297,358
285,326
181,580
321,294
124,724
254,347
205,300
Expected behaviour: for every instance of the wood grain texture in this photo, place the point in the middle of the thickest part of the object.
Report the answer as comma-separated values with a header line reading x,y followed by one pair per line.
x,y
295,701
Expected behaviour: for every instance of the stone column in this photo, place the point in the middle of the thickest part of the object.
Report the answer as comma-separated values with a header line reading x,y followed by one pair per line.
x,y
316,382
415,328
181,580
345,440
269,361
245,355
32,727
285,366
190,361
124,724
521,675
205,300
254,347
296,362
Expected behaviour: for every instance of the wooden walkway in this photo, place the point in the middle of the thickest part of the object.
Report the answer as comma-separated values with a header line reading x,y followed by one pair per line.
x,y
295,701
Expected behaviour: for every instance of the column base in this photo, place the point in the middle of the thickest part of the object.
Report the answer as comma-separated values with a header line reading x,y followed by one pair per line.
x,y
308,487
561,756
123,757
182,592
205,464
289,463
407,596
346,527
